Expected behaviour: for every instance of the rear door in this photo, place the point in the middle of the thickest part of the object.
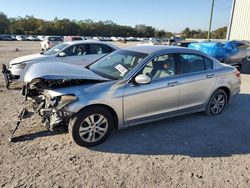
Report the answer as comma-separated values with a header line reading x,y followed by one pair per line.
x,y
197,81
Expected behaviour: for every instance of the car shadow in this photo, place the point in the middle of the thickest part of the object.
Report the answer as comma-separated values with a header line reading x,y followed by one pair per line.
x,y
38,134
195,135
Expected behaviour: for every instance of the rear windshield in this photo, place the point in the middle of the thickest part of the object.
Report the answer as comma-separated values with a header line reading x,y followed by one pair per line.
x,y
54,39
77,38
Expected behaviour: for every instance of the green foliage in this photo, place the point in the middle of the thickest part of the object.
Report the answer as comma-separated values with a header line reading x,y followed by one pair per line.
x,y
4,23
160,33
199,34
220,33
30,25
188,33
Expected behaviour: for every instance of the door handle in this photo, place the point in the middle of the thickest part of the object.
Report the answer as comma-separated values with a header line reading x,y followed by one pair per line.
x,y
171,84
210,75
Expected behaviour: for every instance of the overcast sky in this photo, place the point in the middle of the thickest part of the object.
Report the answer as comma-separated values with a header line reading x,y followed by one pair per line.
x,y
171,15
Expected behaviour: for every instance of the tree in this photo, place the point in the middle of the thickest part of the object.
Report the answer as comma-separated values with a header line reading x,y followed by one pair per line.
x,y
32,26
4,23
220,33
187,32
145,31
160,33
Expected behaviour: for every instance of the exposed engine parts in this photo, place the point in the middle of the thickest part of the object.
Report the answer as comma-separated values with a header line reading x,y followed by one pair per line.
x,y
51,109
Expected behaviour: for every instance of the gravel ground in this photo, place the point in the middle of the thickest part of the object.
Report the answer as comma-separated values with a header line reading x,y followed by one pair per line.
x,y
187,151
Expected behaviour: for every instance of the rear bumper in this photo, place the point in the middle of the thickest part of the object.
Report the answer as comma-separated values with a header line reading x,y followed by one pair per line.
x,y
235,90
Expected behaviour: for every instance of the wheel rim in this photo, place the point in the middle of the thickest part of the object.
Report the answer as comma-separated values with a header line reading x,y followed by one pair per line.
x,y
93,128
218,104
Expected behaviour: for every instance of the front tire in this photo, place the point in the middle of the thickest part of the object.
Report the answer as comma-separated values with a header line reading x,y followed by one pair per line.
x,y
216,103
91,126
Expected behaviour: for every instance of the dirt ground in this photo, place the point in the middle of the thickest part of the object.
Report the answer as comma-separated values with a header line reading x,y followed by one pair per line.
x,y
188,151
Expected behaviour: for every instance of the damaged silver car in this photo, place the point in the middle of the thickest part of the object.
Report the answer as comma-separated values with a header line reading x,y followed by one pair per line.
x,y
128,87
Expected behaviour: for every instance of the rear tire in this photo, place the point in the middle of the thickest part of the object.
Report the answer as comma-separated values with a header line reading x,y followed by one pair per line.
x,y
216,103
91,126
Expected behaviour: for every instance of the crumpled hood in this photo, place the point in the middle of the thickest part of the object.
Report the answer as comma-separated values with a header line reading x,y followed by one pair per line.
x,y
32,57
58,71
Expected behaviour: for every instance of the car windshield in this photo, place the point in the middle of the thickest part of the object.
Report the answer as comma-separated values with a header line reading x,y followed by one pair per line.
x,y
55,49
117,64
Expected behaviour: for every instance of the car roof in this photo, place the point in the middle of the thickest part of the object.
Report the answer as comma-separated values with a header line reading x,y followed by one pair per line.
x,y
156,49
91,41
149,49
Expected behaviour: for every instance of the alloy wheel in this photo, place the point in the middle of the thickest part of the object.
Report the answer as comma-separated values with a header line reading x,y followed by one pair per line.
x,y
93,128
218,104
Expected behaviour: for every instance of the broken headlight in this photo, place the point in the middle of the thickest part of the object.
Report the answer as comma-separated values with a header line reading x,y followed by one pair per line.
x,y
64,100
18,66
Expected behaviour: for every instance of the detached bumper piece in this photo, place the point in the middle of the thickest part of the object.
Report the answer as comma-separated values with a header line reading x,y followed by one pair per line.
x,y
7,76
21,116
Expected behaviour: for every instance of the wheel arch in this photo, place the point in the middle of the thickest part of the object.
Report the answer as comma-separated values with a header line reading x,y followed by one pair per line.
x,y
109,108
226,90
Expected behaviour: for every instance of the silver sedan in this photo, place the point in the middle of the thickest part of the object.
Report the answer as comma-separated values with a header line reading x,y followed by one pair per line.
x,y
131,86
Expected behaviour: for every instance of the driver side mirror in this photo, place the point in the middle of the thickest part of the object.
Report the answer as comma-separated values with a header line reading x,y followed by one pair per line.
x,y
61,54
142,79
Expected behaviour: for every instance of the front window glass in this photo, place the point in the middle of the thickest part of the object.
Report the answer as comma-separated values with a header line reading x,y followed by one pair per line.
x,y
160,67
76,50
117,64
55,49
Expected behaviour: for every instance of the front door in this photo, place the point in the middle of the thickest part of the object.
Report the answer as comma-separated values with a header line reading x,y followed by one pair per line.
x,y
83,54
147,102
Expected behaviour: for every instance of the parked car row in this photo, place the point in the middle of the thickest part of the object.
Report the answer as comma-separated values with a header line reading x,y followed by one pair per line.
x,y
7,38
94,87
167,41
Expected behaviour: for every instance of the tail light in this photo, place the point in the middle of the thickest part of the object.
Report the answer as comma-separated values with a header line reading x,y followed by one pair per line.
x,y
237,73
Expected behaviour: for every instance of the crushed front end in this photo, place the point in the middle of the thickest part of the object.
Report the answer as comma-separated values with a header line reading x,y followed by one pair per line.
x,y
49,104
50,108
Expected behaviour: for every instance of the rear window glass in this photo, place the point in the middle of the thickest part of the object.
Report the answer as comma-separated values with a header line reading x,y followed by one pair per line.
x,y
192,63
99,49
195,63
77,38
54,39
